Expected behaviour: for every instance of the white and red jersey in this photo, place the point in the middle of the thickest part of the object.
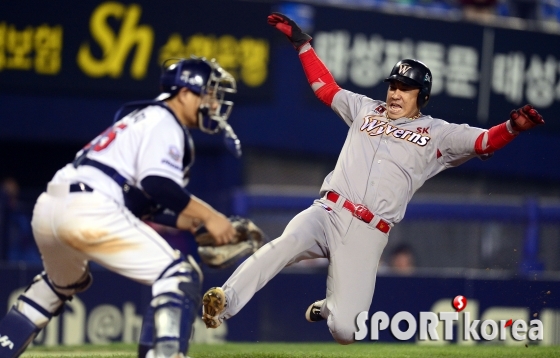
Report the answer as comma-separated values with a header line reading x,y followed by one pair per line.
x,y
383,162
147,142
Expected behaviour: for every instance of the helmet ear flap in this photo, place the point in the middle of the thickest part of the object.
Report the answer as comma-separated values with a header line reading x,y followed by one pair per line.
x,y
423,98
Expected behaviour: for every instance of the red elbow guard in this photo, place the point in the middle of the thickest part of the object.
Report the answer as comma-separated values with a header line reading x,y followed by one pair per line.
x,y
496,138
318,75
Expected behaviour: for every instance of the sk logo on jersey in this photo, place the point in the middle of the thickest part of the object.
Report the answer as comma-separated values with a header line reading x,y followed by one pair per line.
x,y
380,109
375,127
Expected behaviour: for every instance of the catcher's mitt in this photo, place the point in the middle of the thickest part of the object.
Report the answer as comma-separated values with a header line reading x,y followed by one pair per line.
x,y
248,239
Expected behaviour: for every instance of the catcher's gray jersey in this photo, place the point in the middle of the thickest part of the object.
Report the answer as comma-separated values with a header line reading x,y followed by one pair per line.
x,y
383,162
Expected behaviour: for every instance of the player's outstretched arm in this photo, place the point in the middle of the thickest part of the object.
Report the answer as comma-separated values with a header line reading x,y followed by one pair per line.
x,y
190,209
319,77
497,137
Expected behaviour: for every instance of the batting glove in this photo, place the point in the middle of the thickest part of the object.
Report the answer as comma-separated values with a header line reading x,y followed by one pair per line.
x,y
525,118
289,28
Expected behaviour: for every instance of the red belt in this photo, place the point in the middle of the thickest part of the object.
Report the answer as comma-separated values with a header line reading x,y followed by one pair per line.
x,y
360,211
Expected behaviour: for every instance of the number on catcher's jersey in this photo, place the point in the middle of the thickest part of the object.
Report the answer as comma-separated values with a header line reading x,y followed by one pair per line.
x,y
151,143
103,140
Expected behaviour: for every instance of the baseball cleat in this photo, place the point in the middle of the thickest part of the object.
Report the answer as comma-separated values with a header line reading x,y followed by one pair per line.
x,y
213,304
313,313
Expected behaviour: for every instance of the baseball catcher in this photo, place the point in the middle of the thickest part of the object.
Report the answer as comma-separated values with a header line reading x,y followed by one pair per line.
x,y
86,210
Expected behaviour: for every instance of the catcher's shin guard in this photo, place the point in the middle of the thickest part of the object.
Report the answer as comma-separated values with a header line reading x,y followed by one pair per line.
x,y
147,334
146,341
16,332
33,310
167,326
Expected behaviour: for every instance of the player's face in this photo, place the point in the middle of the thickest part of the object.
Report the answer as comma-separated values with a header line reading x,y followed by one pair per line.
x,y
210,101
401,100
190,103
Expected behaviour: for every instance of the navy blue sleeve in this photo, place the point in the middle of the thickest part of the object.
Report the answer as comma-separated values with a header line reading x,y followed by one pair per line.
x,y
166,192
137,202
166,217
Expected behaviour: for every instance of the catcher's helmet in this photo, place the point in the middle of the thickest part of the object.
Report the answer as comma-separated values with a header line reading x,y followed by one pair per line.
x,y
413,73
204,78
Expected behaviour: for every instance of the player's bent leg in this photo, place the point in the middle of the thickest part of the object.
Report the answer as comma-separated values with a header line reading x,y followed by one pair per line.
x,y
351,279
172,311
343,333
303,238
33,310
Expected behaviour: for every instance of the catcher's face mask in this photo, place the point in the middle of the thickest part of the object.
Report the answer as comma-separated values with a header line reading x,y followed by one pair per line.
x,y
214,110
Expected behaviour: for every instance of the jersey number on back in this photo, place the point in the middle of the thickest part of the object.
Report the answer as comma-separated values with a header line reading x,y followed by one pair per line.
x,y
103,140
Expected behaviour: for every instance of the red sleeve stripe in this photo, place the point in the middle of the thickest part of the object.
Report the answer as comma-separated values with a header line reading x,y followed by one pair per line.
x,y
495,138
318,76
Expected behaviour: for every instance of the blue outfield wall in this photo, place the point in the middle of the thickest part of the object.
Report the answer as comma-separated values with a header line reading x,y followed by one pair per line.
x,y
110,311
532,213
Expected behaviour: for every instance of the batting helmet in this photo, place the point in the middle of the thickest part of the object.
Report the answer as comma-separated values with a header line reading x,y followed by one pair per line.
x,y
204,78
413,73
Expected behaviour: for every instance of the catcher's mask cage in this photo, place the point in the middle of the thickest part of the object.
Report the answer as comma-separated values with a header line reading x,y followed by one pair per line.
x,y
204,78
413,73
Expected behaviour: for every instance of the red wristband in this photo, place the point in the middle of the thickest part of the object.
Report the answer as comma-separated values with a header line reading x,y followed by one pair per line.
x,y
496,138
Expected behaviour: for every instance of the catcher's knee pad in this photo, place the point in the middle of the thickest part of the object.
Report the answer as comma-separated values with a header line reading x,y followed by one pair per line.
x,y
43,299
182,276
80,286
167,324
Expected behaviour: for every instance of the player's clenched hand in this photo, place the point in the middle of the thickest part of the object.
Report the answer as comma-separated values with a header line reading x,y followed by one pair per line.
x,y
220,228
525,118
289,28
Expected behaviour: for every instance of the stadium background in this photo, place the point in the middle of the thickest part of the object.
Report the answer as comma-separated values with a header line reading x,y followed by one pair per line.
x,y
488,230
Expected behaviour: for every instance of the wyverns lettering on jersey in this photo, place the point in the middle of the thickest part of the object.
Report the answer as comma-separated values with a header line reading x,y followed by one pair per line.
x,y
374,126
